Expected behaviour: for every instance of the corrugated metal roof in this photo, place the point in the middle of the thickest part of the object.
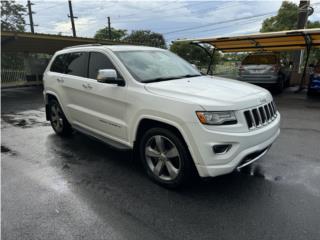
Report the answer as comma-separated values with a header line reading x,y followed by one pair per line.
x,y
44,43
271,41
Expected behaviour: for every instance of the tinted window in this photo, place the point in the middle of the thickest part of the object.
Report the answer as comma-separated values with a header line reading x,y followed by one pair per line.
x,y
260,59
59,64
77,64
98,61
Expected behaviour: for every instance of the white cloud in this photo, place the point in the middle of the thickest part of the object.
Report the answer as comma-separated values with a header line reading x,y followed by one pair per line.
x,y
82,25
157,15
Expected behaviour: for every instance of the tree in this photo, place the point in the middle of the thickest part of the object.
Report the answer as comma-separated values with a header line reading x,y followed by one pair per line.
x,y
116,34
146,37
286,19
12,16
193,54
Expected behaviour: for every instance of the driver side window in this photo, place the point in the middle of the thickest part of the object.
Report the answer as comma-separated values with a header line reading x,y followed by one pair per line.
x,y
98,61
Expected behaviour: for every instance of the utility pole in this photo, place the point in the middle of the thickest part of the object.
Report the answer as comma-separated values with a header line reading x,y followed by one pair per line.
x,y
109,28
302,21
30,16
72,19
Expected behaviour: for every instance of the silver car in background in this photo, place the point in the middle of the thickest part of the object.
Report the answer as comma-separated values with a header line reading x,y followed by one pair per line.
x,y
265,69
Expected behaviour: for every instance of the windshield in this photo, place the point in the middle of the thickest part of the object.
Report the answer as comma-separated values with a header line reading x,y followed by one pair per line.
x,y
260,59
156,65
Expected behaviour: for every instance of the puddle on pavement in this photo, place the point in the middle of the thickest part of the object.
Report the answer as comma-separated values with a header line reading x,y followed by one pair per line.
x,y
257,171
26,119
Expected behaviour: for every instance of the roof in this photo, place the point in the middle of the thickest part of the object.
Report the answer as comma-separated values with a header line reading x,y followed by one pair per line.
x,y
44,43
114,48
271,41
130,48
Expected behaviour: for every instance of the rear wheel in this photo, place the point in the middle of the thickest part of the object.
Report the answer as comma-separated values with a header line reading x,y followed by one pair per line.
x,y
165,157
58,120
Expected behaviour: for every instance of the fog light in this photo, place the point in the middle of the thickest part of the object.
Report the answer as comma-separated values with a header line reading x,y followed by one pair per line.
x,y
221,148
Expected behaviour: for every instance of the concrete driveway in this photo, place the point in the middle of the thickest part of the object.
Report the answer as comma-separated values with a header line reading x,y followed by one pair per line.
x,y
79,188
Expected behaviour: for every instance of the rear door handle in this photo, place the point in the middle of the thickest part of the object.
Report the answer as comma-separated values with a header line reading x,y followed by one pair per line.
x,y
84,86
89,86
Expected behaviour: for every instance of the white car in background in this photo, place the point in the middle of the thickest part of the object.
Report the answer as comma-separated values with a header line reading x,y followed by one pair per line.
x,y
151,100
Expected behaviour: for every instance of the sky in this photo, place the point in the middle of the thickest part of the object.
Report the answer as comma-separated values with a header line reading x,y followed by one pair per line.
x,y
175,19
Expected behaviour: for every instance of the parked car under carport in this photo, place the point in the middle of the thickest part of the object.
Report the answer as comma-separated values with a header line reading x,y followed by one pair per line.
x,y
282,41
266,69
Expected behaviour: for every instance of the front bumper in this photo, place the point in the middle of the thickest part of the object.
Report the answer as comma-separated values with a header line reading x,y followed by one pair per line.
x,y
259,79
243,144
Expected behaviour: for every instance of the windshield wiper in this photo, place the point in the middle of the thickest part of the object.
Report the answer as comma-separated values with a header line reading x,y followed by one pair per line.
x,y
160,79
170,78
190,75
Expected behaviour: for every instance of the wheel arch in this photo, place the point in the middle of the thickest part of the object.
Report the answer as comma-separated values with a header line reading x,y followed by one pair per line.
x,y
148,122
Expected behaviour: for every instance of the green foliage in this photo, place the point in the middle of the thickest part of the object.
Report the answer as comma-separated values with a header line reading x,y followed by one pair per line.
x,y
116,34
286,19
146,37
315,24
12,16
193,54
12,61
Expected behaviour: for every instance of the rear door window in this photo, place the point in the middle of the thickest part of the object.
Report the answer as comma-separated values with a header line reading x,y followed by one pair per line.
x,y
59,64
260,59
97,62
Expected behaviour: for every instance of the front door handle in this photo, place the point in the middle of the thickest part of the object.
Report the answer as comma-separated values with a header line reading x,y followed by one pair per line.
x,y
60,80
87,86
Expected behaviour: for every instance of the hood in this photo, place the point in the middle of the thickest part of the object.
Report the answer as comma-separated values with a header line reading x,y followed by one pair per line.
x,y
211,92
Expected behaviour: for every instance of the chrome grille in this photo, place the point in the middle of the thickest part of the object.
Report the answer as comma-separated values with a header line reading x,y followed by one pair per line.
x,y
260,116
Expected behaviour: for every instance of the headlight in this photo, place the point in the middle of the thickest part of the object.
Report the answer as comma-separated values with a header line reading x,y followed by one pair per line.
x,y
217,118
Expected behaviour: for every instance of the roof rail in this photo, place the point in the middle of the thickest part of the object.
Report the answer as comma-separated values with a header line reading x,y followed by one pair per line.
x,y
84,45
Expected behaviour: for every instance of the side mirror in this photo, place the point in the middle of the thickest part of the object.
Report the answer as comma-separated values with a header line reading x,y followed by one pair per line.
x,y
109,76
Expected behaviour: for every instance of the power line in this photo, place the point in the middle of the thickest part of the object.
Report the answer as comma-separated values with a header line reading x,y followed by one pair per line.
x,y
217,28
216,23
174,14
159,8
231,21
50,7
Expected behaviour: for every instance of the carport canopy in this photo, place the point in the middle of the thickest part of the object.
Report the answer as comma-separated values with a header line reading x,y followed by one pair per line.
x,y
271,41
44,43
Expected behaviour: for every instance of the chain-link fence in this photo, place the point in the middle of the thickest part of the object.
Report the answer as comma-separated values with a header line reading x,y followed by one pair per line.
x,y
13,78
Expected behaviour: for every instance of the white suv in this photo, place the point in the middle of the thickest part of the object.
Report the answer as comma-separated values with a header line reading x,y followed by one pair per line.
x,y
154,102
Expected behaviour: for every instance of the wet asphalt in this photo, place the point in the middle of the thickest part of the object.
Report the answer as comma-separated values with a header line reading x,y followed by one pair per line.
x,y
79,188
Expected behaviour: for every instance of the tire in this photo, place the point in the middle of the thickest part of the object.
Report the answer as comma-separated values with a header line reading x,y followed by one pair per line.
x,y
287,83
311,93
280,85
165,158
58,120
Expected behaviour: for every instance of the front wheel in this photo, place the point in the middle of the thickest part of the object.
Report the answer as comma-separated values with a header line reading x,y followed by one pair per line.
x,y
165,157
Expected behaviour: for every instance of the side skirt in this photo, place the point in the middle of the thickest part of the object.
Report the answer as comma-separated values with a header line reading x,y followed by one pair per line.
x,y
103,139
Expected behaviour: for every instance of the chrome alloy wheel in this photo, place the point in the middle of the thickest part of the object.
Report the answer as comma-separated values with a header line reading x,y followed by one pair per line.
x,y
163,157
56,118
